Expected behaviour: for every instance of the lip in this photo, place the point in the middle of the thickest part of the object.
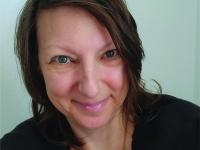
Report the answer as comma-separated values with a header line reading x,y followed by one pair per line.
x,y
92,107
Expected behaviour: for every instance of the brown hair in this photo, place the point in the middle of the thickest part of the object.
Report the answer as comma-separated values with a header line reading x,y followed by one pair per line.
x,y
114,15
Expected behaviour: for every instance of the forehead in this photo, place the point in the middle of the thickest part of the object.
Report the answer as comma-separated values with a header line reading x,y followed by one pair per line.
x,y
67,24
70,16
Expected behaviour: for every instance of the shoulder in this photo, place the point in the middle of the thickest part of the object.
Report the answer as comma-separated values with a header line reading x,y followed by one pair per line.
x,y
25,136
171,101
175,125
172,110
179,115
170,106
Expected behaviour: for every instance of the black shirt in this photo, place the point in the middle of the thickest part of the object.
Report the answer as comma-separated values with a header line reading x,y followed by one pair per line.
x,y
175,127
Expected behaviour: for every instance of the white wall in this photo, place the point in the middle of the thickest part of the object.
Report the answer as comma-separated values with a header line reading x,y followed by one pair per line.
x,y
15,103
169,29
197,67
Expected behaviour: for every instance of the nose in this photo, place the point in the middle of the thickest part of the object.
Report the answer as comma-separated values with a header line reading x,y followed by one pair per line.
x,y
89,82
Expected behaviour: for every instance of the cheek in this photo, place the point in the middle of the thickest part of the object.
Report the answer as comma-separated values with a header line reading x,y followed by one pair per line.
x,y
57,85
116,79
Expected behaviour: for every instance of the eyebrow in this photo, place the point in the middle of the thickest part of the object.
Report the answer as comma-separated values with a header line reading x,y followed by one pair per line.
x,y
71,50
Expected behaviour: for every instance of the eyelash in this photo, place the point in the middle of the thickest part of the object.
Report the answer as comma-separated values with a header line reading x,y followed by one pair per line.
x,y
67,59
113,52
110,54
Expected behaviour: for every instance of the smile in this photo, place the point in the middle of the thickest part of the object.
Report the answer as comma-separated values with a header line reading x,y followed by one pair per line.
x,y
92,107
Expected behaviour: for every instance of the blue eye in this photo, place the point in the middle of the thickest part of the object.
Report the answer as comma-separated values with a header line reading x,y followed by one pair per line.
x,y
62,59
111,53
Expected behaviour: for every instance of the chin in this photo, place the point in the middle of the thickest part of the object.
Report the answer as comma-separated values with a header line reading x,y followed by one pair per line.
x,y
91,122
95,123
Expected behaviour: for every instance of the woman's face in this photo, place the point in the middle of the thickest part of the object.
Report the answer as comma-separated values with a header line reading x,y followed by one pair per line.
x,y
84,75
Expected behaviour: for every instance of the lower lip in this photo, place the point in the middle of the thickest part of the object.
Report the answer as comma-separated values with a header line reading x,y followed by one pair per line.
x,y
96,107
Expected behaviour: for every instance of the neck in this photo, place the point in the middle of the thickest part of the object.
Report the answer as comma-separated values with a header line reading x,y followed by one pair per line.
x,y
114,136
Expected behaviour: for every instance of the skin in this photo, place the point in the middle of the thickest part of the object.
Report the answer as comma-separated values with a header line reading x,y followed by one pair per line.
x,y
85,77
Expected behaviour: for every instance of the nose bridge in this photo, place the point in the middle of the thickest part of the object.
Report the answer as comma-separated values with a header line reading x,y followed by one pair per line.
x,y
89,80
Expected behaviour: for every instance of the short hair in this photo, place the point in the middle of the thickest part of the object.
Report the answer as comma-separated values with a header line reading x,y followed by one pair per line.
x,y
115,16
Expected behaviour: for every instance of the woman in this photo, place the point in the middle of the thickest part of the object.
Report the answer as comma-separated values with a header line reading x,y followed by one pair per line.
x,y
81,64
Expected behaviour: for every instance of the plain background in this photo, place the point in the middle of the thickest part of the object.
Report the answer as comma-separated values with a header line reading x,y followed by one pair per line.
x,y
169,29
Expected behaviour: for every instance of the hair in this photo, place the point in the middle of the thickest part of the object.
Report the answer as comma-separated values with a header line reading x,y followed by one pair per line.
x,y
115,16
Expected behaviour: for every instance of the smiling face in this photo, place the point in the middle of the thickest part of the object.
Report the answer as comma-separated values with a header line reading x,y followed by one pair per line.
x,y
84,76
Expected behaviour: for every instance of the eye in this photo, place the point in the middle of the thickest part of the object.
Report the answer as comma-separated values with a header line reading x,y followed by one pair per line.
x,y
61,59
111,54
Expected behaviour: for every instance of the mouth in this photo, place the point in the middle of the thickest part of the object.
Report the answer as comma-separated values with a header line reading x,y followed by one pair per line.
x,y
92,107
